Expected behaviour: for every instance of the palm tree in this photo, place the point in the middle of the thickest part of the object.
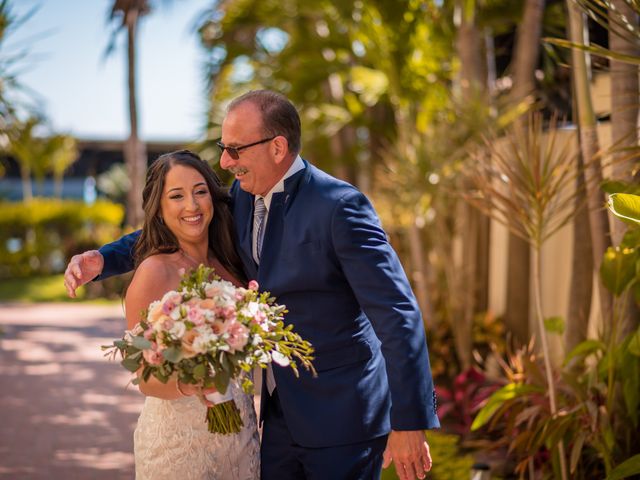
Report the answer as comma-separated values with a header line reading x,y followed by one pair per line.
x,y
27,150
589,146
127,13
525,61
62,152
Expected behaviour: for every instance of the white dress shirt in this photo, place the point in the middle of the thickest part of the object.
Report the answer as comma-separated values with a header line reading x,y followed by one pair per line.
x,y
295,167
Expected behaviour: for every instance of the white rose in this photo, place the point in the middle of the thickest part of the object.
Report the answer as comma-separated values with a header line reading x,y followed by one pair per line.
x,y
178,329
279,358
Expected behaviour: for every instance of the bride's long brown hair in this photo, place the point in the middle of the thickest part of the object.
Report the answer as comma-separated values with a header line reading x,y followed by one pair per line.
x,y
157,238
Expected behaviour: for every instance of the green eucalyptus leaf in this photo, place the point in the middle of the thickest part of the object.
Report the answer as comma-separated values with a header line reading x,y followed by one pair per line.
x,y
221,381
626,207
199,371
172,354
628,468
554,325
130,364
141,343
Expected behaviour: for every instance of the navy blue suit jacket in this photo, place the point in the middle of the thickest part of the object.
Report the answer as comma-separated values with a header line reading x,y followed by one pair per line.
x,y
326,257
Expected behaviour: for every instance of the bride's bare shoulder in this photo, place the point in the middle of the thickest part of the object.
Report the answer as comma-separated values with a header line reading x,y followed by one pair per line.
x,y
154,277
159,262
156,272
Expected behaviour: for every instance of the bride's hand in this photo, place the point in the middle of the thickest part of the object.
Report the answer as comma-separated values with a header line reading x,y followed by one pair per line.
x,y
205,392
189,389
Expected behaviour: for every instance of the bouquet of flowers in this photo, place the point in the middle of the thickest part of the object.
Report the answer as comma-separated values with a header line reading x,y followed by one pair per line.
x,y
211,333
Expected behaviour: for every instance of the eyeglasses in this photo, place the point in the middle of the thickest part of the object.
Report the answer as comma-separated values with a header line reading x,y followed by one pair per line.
x,y
234,152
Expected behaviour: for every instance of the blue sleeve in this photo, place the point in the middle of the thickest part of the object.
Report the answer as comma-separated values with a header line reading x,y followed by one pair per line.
x,y
118,256
377,278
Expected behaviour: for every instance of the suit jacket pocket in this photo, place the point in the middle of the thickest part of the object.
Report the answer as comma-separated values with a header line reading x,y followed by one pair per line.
x,y
347,353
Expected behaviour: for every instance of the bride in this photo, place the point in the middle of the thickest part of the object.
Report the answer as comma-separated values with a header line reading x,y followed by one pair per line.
x,y
187,222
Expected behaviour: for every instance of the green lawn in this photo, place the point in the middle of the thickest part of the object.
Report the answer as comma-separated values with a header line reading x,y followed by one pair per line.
x,y
39,289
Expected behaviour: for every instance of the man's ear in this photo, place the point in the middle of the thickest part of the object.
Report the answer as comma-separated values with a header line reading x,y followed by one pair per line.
x,y
280,148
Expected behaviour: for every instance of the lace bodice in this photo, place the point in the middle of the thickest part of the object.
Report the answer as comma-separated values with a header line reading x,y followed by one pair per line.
x,y
171,441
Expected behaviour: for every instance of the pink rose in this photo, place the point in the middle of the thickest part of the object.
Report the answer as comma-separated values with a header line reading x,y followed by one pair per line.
x,y
238,335
253,285
207,304
218,327
170,302
212,291
168,323
152,357
187,343
229,313
196,315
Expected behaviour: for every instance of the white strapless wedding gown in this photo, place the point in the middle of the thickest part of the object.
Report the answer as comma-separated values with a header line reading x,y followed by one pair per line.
x,y
171,441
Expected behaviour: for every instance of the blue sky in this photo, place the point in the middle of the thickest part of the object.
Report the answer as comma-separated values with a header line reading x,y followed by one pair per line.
x,y
85,94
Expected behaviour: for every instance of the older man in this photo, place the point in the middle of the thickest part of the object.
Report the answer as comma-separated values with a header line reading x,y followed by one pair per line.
x,y
316,243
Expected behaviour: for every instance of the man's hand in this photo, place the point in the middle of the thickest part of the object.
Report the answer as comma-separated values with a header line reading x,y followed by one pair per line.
x,y
82,269
409,451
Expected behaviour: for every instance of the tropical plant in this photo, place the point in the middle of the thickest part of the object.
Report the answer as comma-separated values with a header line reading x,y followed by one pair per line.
x,y
528,184
23,145
458,405
524,64
61,152
126,15
598,401
12,98
603,438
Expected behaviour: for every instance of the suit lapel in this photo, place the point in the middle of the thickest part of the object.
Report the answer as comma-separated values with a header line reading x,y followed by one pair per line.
x,y
272,236
243,217
280,203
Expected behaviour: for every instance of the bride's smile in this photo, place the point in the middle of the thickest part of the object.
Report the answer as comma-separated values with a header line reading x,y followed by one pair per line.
x,y
186,206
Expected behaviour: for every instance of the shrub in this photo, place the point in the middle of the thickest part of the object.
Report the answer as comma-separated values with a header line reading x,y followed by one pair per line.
x,y
38,237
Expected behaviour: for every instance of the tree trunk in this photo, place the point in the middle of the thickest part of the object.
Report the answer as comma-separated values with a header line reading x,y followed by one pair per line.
x,y
27,184
135,151
624,127
537,294
418,270
581,288
57,185
473,227
598,218
525,61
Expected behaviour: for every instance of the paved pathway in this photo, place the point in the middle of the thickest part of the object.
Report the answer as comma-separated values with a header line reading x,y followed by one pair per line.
x,y
65,411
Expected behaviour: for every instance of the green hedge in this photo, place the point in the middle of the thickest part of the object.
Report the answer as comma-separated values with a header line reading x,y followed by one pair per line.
x,y
38,237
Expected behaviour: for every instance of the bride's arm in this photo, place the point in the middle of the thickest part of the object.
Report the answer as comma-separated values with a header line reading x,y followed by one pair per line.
x,y
150,282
